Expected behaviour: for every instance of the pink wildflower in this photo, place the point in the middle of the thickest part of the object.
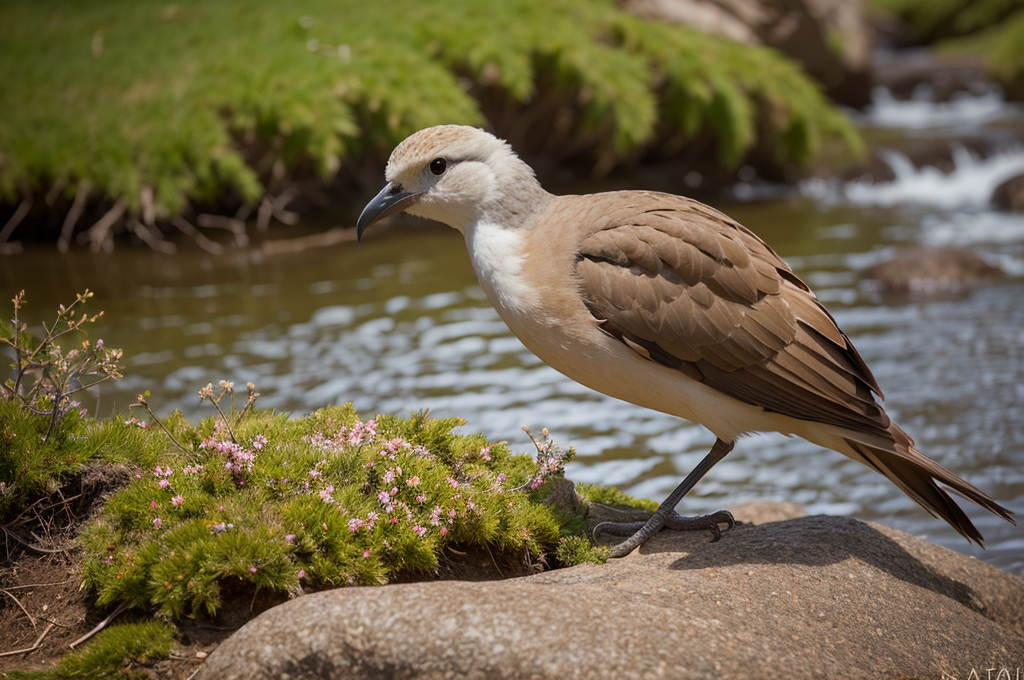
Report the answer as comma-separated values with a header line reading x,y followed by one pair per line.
x,y
152,504
413,481
177,500
453,482
326,494
444,531
384,497
394,491
389,476
157,523
501,477
420,531
366,553
421,499
164,483
252,570
302,573
485,453
289,538
259,442
355,524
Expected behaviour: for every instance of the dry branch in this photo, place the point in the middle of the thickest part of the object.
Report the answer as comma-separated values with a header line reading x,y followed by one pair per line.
x,y
152,237
97,233
100,626
31,619
148,209
237,227
295,245
206,244
77,207
16,218
34,647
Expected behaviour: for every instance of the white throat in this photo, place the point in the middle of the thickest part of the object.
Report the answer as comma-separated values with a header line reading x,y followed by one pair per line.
x,y
499,257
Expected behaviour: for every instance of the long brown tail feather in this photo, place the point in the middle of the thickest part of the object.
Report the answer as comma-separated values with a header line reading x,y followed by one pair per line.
x,y
919,477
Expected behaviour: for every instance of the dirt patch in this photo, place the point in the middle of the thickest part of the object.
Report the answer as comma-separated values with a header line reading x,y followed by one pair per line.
x,y
43,604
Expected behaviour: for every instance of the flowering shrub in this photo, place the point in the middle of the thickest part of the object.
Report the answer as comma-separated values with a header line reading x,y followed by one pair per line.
x,y
321,501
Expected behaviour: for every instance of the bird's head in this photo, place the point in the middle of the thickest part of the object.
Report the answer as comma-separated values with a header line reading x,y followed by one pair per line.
x,y
453,174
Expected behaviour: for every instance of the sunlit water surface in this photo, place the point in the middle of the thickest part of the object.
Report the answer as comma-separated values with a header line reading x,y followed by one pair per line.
x,y
398,324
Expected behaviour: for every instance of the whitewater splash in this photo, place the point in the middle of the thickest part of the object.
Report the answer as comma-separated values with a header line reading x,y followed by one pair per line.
x,y
969,185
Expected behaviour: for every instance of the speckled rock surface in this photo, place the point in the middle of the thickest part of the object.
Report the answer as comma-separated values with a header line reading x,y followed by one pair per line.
x,y
806,597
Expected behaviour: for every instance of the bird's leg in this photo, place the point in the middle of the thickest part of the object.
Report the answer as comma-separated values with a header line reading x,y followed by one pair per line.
x,y
665,515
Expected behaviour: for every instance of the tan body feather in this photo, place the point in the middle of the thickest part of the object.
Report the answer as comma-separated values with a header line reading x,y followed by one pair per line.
x,y
663,302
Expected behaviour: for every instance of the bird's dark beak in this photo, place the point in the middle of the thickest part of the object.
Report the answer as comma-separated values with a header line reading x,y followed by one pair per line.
x,y
389,201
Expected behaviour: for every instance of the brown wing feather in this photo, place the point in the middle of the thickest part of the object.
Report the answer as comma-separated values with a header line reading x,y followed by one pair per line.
x,y
694,288
685,286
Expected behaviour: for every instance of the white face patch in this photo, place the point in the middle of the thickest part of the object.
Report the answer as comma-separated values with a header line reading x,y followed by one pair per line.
x,y
498,256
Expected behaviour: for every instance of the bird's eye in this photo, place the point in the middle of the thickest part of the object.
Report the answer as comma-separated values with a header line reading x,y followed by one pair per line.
x,y
438,166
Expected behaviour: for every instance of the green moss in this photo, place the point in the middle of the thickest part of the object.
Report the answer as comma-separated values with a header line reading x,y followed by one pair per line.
x,y
322,501
112,653
210,102
573,550
607,495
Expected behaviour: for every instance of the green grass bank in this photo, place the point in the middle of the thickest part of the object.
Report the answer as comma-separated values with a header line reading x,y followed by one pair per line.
x,y
122,114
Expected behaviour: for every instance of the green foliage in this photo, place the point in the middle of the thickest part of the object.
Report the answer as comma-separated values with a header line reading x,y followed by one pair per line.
x,y
937,19
112,653
286,504
992,28
573,550
197,101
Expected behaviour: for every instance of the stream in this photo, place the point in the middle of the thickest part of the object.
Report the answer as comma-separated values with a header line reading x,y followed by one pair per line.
x,y
399,324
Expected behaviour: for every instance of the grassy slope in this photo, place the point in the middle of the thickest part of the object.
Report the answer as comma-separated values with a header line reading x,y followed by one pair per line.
x,y
216,102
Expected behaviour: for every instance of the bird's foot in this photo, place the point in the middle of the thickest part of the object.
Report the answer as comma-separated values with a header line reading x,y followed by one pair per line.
x,y
640,532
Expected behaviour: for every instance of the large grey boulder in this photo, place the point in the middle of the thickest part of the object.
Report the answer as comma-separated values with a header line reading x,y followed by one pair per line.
x,y
809,597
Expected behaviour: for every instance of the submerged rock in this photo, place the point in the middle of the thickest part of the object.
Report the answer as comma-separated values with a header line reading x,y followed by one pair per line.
x,y
799,598
933,271
1010,194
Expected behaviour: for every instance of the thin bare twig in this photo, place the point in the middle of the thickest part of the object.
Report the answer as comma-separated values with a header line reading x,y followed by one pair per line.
x,y
264,214
236,227
151,237
31,619
145,404
54,192
148,208
97,233
37,585
100,626
34,647
206,244
77,207
296,245
30,546
16,218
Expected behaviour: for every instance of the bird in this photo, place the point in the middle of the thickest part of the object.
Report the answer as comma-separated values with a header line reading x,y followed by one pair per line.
x,y
663,302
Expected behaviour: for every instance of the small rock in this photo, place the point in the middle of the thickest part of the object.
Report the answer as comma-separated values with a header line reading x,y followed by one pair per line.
x,y
1010,194
803,598
933,271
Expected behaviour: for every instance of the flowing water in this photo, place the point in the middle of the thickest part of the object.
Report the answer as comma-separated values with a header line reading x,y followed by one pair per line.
x,y
398,324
